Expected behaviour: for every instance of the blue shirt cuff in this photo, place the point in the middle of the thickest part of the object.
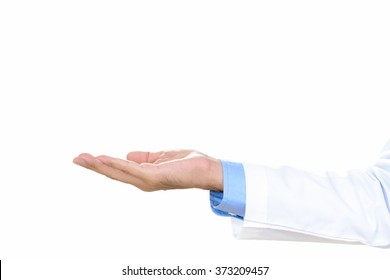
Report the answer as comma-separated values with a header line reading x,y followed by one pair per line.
x,y
230,202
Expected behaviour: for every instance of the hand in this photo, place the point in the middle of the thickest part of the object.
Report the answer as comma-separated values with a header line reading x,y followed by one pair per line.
x,y
163,170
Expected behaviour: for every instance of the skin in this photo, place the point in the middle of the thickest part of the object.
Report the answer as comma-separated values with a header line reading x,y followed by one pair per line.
x,y
165,170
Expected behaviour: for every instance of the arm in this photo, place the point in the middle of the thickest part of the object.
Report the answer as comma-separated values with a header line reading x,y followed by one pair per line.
x,y
290,204
295,203
271,203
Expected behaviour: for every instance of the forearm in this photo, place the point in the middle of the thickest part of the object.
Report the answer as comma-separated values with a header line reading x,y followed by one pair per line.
x,y
290,204
351,207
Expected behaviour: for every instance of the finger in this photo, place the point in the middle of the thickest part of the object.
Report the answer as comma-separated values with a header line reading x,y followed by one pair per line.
x,y
172,155
79,161
83,160
130,167
157,157
143,157
94,164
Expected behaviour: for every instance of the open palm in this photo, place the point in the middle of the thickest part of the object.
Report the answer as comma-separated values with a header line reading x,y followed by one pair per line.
x,y
148,171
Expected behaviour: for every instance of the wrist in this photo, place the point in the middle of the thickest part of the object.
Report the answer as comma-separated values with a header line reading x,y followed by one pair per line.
x,y
216,175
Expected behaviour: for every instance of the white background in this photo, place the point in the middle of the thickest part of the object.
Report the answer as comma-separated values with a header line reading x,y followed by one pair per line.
x,y
300,83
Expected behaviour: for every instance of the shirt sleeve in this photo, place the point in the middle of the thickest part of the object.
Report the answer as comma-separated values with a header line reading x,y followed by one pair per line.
x,y
230,202
287,203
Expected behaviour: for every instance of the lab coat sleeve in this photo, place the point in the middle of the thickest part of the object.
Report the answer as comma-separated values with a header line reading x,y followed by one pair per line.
x,y
290,204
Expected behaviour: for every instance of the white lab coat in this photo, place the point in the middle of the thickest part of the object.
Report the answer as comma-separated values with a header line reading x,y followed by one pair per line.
x,y
290,204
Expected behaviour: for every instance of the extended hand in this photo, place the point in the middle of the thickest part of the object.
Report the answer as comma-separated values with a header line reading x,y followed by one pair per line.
x,y
159,171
